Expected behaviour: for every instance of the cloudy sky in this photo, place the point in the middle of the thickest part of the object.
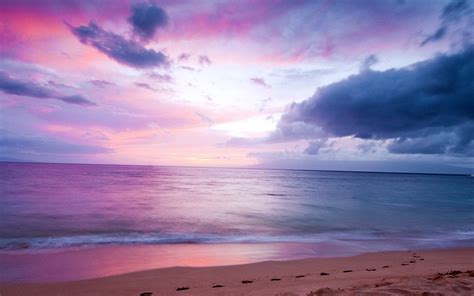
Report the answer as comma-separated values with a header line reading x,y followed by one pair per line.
x,y
359,85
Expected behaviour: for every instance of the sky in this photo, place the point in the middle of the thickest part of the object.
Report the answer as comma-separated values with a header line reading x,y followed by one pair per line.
x,y
382,85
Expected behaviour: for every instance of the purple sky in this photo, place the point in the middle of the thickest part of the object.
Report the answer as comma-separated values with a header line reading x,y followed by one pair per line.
x,y
359,85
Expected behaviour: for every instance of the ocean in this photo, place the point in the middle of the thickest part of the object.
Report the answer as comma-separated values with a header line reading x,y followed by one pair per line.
x,y
68,205
48,207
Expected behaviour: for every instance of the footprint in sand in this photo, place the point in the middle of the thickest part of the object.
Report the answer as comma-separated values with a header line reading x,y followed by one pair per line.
x,y
349,270
299,276
386,266
146,294
247,282
218,286
275,279
404,264
371,269
324,273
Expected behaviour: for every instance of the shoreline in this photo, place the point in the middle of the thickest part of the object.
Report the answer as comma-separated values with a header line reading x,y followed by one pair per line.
x,y
81,263
411,271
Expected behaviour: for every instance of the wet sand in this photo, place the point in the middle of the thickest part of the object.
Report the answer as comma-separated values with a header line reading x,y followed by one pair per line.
x,y
447,271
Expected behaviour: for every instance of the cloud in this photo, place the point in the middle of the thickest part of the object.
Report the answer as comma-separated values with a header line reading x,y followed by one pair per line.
x,y
453,13
160,77
101,83
31,89
438,35
427,101
315,146
126,52
184,57
20,144
146,18
76,99
204,118
285,132
458,141
145,86
58,84
204,60
188,68
368,146
259,81
455,10
369,62
264,104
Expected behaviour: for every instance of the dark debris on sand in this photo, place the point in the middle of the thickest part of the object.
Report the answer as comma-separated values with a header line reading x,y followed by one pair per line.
x,y
326,292
182,288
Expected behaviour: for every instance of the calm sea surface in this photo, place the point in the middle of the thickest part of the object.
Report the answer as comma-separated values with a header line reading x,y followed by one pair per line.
x,y
49,206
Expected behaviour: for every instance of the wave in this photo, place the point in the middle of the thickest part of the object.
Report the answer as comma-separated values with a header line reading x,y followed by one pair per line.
x,y
358,239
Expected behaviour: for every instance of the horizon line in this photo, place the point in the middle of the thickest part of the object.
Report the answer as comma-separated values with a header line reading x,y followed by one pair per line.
x,y
234,167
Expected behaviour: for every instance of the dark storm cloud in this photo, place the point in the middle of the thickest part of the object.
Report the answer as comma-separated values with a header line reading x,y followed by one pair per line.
x,y
146,18
457,141
453,13
431,100
127,52
31,89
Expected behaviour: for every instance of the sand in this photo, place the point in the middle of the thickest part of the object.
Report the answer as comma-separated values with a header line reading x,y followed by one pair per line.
x,y
445,271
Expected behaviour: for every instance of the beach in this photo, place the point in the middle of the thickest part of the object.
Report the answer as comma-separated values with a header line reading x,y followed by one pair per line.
x,y
446,271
